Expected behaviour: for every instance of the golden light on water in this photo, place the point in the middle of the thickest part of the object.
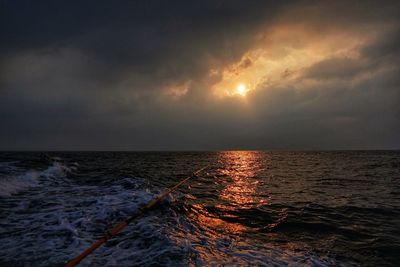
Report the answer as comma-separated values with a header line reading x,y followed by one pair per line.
x,y
213,223
241,167
237,185
238,189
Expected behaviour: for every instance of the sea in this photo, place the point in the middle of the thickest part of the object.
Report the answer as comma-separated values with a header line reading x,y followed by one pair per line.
x,y
247,208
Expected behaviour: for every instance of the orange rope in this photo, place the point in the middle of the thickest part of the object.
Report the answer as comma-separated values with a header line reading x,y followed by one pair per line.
x,y
119,227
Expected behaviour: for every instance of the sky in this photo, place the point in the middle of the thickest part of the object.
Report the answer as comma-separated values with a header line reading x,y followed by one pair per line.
x,y
199,75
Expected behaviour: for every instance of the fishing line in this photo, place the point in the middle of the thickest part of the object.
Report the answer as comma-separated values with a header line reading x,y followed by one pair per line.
x,y
119,227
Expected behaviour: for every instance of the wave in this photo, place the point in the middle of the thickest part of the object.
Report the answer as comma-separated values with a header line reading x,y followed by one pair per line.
x,y
59,227
53,221
13,184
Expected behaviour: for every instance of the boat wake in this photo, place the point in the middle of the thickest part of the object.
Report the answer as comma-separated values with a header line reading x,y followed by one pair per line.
x,y
49,217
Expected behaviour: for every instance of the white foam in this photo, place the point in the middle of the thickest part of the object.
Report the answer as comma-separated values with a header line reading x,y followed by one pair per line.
x,y
64,218
14,184
63,225
57,170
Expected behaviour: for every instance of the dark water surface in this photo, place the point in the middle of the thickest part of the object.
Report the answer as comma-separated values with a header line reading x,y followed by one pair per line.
x,y
248,208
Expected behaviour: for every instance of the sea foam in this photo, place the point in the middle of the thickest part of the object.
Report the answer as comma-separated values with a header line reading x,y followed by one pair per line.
x,y
13,184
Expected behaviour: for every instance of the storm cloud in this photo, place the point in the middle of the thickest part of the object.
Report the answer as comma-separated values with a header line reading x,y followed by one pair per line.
x,y
161,75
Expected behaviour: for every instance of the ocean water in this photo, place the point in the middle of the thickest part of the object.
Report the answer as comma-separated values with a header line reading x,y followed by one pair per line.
x,y
255,208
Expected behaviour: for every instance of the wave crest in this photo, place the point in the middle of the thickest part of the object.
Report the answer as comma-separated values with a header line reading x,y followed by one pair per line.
x,y
14,184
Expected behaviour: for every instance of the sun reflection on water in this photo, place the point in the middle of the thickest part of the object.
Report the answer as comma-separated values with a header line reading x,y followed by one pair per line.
x,y
232,203
235,190
241,167
237,182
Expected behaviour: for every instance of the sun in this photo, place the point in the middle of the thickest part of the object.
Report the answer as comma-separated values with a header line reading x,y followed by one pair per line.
x,y
241,89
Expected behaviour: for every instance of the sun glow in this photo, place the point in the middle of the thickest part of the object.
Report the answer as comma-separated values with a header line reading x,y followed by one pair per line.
x,y
278,59
241,89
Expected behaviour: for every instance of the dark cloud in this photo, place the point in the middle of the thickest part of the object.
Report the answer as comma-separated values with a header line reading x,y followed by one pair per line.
x,y
335,68
163,38
110,75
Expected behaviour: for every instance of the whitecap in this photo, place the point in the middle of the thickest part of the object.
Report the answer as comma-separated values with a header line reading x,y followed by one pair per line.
x,y
12,185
